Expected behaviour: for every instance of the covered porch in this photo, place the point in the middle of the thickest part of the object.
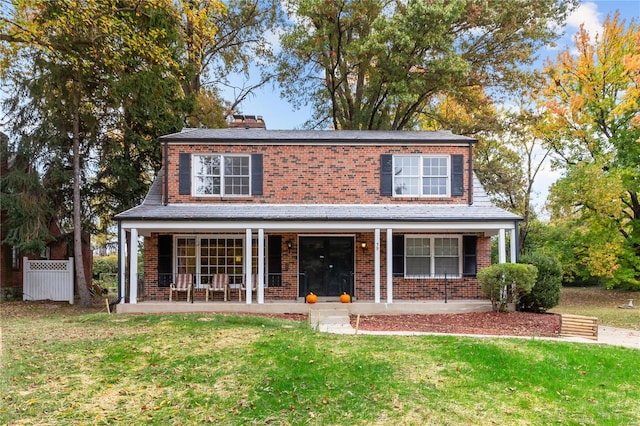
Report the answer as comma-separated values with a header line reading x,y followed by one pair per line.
x,y
356,242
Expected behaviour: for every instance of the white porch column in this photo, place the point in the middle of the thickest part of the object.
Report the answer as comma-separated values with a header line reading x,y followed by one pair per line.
x,y
502,253
122,279
389,265
513,246
260,266
133,267
376,264
247,266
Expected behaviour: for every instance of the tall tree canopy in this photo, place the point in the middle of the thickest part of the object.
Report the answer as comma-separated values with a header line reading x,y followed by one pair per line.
x,y
592,124
381,64
65,61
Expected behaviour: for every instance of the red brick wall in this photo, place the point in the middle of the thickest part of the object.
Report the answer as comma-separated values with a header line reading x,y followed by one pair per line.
x,y
315,174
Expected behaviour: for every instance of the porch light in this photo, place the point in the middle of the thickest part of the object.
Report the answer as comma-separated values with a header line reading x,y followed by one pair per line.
x,y
289,244
363,245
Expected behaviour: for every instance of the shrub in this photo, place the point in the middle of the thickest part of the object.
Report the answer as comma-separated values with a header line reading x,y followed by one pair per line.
x,y
545,293
504,283
104,265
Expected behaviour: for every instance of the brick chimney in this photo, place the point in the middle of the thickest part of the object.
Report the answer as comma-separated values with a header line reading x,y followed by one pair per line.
x,y
241,121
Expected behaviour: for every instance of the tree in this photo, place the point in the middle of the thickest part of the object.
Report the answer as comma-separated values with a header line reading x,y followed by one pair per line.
x,y
592,123
377,64
64,58
223,38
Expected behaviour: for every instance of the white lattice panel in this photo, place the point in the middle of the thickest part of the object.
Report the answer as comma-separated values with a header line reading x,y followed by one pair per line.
x,y
49,265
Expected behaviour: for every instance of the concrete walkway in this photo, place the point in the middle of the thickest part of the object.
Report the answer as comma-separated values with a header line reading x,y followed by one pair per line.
x,y
336,320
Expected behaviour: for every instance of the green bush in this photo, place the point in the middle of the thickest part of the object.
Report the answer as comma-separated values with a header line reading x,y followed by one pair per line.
x,y
504,283
104,265
545,293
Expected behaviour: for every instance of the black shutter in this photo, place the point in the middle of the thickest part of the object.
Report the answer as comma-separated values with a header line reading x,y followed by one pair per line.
x,y
274,261
165,260
469,252
457,175
397,247
256,174
386,174
184,174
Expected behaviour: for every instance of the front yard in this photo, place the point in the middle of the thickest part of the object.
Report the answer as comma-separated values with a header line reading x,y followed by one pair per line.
x,y
63,365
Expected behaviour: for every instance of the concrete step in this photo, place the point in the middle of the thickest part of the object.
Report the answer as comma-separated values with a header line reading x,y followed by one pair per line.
x,y
330,317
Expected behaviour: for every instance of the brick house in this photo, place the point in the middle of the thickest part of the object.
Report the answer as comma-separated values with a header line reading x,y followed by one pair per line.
x,y
381,215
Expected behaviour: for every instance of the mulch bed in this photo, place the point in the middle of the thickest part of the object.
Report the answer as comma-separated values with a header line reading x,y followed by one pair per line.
x,y
490,323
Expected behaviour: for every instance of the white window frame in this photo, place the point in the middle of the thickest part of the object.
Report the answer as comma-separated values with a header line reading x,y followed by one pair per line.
x,y
196,176
198,256
420,176
432,255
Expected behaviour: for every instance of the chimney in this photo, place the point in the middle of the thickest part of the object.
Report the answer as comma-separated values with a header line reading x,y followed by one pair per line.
x,y
241,121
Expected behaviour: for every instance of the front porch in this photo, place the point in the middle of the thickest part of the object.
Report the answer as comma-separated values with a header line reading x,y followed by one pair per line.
x,y
292,307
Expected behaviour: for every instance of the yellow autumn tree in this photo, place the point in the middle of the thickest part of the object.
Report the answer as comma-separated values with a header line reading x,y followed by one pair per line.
x,y
592,124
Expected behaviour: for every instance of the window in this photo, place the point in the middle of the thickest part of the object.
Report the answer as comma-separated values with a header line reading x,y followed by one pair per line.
x,y
221,175
432,256
221,255
15,258
185,255
207,255
421,176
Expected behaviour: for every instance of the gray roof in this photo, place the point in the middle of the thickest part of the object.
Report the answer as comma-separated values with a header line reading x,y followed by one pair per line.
x,y
152,209
315,136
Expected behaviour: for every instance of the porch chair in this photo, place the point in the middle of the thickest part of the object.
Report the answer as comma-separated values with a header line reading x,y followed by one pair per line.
x,y
183,282
243,286
220,283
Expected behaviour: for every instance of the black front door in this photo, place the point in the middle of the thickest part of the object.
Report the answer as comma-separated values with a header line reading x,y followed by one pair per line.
x,y
326,265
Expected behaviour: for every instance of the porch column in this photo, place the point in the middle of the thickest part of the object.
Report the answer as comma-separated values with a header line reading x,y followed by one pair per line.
x,y
389,265
247,266
502,254
513,245
260,282
122,262
376,264
133,267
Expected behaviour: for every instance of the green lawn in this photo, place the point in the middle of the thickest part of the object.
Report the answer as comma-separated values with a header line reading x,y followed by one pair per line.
x,y
62,365
601,303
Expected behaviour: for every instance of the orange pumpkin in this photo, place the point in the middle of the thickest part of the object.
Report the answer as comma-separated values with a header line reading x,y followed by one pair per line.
x,y
312,298
345,298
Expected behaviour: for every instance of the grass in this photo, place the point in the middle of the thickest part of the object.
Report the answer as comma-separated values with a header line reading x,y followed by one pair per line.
x,y
603,304
63,365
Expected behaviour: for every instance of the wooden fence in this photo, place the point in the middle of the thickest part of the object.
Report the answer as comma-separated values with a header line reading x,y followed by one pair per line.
x,y
579,326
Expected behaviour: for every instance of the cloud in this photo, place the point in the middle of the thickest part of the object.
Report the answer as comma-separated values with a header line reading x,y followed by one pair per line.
x,y
586,14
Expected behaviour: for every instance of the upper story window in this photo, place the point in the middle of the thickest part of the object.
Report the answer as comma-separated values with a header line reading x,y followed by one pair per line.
x,y
221,174
421,175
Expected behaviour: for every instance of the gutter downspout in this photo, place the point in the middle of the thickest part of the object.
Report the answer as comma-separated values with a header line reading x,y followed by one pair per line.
x,y
119,260
517,238
470,174
166,173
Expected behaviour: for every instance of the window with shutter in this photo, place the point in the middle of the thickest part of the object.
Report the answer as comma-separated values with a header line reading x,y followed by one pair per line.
x,y
417,175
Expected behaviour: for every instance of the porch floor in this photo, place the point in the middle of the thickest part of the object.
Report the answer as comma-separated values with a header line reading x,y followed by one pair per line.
x,y
293,307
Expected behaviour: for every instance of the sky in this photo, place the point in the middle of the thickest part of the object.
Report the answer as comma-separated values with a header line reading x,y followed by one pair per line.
x,y
278,114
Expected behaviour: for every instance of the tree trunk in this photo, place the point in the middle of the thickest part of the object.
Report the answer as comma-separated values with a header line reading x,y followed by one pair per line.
x,y
81,281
